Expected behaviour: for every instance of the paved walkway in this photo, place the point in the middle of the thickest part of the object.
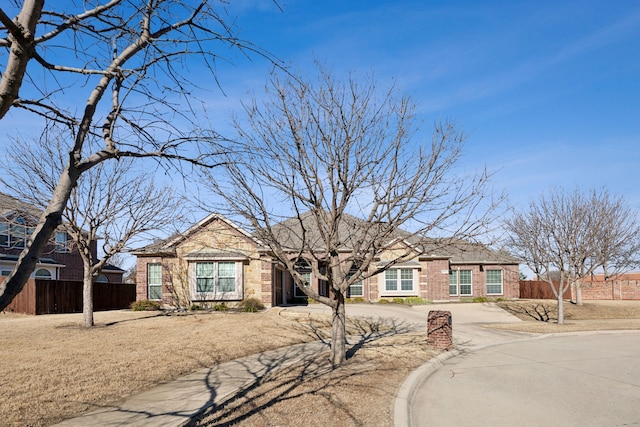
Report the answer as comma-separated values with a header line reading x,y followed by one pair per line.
x,y
176,402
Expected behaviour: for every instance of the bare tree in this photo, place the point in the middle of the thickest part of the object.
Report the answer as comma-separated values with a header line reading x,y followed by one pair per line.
x,y
565,237
147,56
343,163
107,204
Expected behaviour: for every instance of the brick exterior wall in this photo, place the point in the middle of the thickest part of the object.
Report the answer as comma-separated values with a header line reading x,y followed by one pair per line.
x,y
266,280
619,288
610,290
437,274
73,268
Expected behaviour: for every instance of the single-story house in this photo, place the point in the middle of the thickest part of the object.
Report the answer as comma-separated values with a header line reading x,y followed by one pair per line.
x,y
216,260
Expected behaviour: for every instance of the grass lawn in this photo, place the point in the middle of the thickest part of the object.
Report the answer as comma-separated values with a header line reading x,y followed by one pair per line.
x,y
540,316
53,369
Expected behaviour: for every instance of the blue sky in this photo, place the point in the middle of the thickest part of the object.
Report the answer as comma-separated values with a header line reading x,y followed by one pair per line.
x,y
548,92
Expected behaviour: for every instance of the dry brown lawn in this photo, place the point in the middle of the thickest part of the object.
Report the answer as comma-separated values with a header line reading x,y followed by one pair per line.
x,y
540,316
53,369
359,393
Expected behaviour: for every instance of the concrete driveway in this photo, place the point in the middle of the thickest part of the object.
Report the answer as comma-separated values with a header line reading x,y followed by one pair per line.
x,y
587,379
503,378
468,319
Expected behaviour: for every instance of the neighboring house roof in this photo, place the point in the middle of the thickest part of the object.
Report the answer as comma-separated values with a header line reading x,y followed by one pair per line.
x,y
110,268
10,205
14,258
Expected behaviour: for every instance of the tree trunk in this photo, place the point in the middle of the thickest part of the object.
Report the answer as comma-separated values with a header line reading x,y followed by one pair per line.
x,y
19,53
560,306
87,298
338,344
579,293
51,218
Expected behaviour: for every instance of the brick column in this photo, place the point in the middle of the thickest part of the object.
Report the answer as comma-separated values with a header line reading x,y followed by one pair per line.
x,y
439,330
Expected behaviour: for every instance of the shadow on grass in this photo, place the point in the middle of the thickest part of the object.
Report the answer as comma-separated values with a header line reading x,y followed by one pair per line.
x,y
527,310
300,374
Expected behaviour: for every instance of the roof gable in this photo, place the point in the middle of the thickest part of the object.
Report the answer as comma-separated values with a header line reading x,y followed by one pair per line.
x,y
168,246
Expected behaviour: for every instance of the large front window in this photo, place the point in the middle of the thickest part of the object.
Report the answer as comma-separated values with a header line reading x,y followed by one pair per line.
x,y
154,281
460,282
216,280
494,282
399,280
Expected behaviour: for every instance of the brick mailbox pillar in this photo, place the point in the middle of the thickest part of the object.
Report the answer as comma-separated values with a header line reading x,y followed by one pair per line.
x,y
439,330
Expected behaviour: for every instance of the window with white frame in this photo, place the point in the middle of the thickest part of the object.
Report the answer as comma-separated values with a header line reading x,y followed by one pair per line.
x,y
217,280
399,280
4,234
494,282
15,233
205,277
226,277
154,281
43,274
356,290
460,282
61,239
18,233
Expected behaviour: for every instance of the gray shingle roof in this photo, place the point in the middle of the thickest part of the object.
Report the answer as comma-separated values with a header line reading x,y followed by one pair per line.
x,y
292,232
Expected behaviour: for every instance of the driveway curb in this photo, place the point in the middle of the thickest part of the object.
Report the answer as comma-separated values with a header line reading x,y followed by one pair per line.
x,y
402,408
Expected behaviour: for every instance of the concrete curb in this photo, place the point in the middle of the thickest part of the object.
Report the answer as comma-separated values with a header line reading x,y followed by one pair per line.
x,y
402,408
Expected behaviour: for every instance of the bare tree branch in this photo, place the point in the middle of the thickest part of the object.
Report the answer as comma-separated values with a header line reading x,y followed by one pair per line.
x,y
108,203
332,177
565,237
138,51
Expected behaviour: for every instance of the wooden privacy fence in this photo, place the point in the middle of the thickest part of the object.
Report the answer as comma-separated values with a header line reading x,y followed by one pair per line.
x,y
538,289
62,296
617,288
